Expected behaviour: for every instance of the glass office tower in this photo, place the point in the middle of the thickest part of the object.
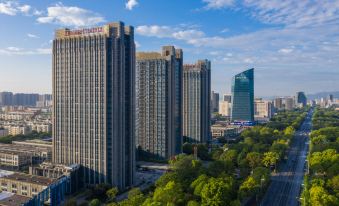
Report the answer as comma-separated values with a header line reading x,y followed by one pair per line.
x,y
243,96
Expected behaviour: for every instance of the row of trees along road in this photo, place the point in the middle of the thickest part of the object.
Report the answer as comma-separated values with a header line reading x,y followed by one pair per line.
x,y
230,175
321,183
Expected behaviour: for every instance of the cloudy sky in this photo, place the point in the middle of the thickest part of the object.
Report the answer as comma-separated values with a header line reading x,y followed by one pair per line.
x,y
293,45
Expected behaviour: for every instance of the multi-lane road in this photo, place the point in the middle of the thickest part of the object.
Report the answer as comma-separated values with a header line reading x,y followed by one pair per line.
x,y
285,186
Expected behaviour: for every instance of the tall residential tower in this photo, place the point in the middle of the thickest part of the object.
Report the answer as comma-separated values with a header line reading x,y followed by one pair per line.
x,y
93,102
196,101
243,96
159,103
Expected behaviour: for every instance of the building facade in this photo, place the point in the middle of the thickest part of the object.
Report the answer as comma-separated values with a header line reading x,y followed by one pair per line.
x,y
225,108
243,96
289,103
196,102
227,98
301,99
263,109
214,101
93,102
159,103
278,103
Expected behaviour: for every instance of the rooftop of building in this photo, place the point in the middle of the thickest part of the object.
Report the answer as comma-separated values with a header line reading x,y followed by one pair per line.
x,y
22,177
25,148
148,55
10,199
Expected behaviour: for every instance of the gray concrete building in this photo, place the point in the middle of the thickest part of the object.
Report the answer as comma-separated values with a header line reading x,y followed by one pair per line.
x,y
158,103
196,101
93,102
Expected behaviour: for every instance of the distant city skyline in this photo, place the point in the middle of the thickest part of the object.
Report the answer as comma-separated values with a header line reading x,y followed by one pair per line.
x,y
291,49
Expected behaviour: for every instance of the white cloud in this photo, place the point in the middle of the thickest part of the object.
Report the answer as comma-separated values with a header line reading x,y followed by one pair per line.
x,y
25,9
12,48
130,4
285,50
179,33
13,8
287,12
225,30
70,16
137,45
32,36
8,8
218,4
11,51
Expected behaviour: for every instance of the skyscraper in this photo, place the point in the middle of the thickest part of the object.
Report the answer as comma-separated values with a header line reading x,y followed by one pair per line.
x,y
6,98
159,103
227,98
93,102
243,96
278,103
289,103
301,99
214,101
225,108
196,101
263,109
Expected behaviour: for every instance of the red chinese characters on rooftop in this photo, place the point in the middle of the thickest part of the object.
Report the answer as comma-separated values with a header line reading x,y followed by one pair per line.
x,y
83,31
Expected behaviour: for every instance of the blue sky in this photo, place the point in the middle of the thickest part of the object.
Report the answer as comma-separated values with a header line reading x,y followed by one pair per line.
x,y
293,45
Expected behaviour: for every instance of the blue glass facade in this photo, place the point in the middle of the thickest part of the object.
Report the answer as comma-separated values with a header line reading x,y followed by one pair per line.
x,y
243,96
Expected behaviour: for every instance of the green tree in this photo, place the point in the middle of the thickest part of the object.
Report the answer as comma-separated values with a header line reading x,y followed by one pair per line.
x,y
319,196
170,194
270,158
71,202
95,202
217,192
112,193
198,184
254,159
135,198
248,187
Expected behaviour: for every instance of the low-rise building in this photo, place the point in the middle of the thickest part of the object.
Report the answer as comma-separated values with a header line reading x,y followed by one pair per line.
x,y
16,130
17,156
24,184
221,130
14,159
3,132
51,170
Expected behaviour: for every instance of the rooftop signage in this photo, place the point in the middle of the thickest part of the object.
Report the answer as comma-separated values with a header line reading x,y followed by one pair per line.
x,y
84,31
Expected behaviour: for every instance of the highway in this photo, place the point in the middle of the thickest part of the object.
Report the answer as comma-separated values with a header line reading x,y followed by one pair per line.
x,y
285,186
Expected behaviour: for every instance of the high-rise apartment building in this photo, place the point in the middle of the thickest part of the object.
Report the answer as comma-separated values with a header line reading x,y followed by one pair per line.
x,y
263,109
301,99
21,99
214,101
159,103
278,103
243,96
93,102
227,98
225,108
289,103
6,98
196,101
